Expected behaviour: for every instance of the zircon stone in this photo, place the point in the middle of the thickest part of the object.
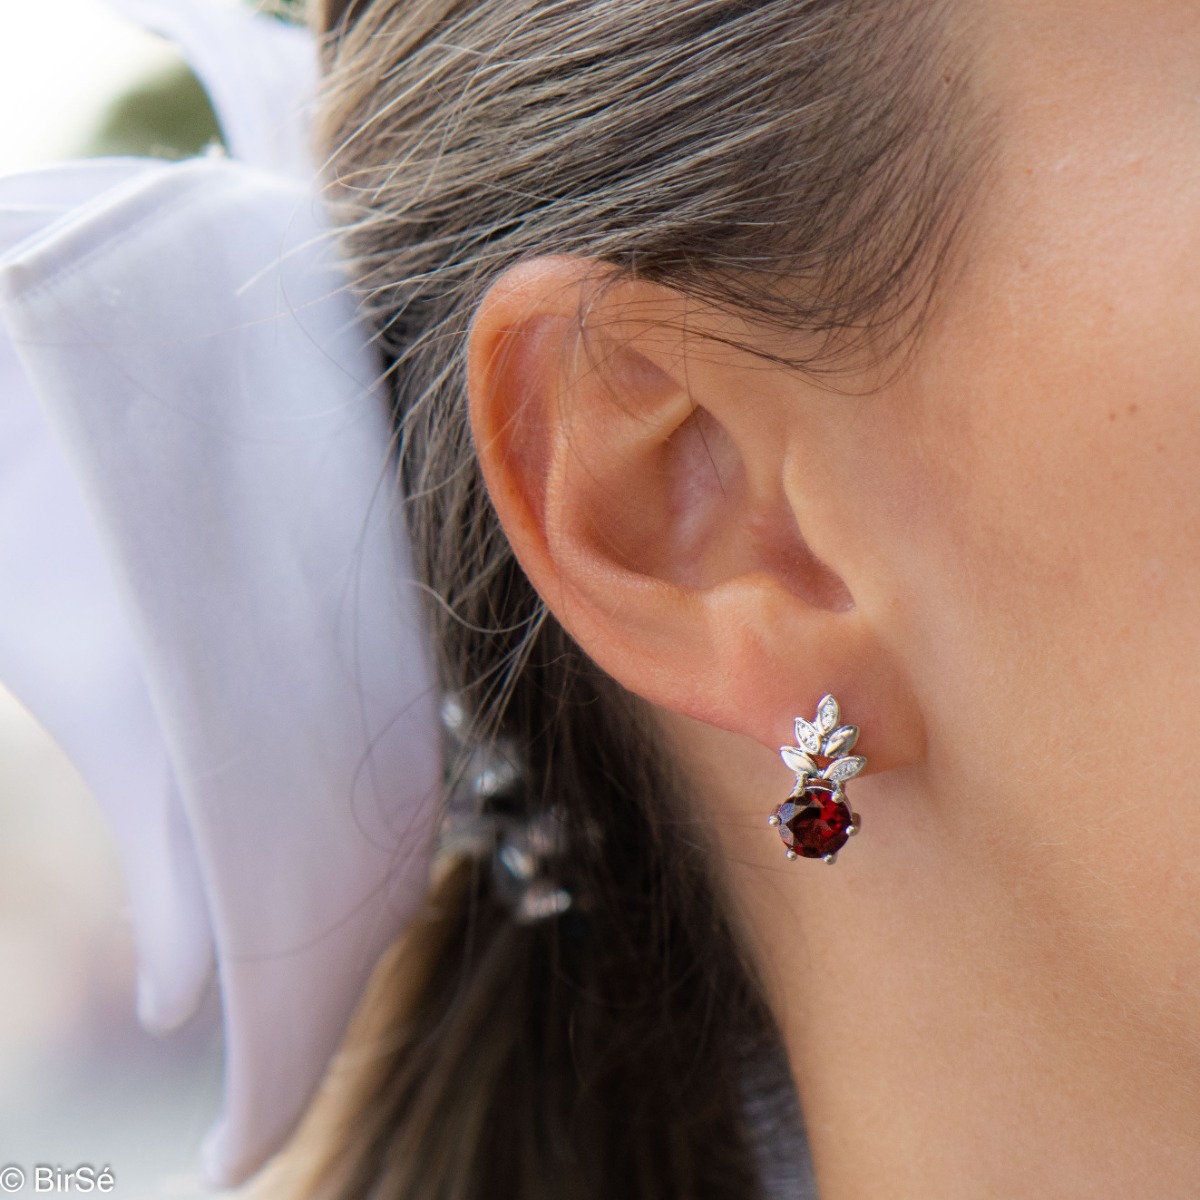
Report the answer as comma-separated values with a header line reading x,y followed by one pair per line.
x,y
814,823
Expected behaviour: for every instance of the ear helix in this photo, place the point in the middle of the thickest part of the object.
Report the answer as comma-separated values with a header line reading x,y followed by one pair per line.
x,y
815,821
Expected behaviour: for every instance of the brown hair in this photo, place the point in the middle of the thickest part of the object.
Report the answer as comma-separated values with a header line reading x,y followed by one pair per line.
x,y
800,161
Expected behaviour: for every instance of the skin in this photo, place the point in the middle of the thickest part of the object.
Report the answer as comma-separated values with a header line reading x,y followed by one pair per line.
x,y
990,558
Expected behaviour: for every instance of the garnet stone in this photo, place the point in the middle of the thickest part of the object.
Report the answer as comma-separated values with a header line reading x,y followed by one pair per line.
x,y
815,823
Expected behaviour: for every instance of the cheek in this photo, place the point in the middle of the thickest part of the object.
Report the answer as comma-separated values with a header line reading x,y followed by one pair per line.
x,y
1054,420
1056,434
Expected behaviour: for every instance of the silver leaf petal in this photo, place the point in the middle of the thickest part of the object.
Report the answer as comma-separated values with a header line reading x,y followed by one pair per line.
x,y
808,736
828,714
797,760
840,741
842,769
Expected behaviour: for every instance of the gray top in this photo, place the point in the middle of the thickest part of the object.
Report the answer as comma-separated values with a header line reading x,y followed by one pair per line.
x,y
776,1128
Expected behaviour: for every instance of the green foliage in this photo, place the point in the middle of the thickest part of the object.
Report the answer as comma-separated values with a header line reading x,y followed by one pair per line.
x,y
163,115
167,114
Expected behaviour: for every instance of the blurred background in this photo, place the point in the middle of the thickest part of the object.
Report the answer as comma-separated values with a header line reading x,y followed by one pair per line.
x,y
80,1082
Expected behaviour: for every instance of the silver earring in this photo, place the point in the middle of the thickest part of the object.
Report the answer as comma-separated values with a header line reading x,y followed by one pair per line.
x,y
815,821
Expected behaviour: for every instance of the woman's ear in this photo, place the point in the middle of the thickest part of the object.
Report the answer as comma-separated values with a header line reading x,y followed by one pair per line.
x,y
638,462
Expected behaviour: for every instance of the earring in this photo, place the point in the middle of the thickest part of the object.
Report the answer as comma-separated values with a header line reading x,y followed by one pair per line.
x,y
815,821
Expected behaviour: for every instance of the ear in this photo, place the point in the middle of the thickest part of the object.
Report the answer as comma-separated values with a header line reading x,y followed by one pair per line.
x,y
644,471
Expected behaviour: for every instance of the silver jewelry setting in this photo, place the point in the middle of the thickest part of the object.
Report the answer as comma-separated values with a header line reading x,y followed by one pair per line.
x,y
822,763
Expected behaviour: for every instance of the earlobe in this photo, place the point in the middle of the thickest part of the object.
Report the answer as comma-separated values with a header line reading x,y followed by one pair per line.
x,y
639,480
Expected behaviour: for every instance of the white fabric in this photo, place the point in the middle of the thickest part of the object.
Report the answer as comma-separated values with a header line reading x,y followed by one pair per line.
x,y
205,590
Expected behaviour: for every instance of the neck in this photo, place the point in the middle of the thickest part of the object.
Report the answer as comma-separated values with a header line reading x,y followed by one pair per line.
x,y
964,1017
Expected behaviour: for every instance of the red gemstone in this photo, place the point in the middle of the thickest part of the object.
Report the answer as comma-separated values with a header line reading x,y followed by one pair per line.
x,y
814,823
